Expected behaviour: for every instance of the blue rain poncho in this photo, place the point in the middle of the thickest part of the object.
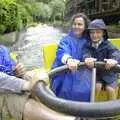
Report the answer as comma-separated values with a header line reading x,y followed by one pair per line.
x,y
6,63
8,81
75,85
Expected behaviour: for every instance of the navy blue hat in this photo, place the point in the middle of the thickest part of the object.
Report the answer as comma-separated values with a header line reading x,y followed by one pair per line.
x,y
97,24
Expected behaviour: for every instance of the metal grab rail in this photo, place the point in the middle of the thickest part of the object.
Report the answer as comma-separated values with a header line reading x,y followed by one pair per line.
x,y
83,109
97,64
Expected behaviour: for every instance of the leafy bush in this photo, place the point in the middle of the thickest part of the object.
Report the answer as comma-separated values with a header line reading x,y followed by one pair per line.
x,y
41,12
16,14
24,16
13,16
8,15
2,28
58,8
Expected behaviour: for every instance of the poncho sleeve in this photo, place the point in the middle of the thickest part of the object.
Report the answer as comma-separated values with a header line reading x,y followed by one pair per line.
x,y
64,50
6,62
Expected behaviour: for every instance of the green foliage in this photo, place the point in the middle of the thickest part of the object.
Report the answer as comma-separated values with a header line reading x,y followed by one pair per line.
x,y
13,16
43,11
58,9
2,28
8,14
16,14
24,16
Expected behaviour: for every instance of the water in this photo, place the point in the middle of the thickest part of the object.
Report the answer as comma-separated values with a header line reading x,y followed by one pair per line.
x,y
29,49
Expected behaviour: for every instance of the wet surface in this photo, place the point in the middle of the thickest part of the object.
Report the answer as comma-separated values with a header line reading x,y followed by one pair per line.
x,y
29,47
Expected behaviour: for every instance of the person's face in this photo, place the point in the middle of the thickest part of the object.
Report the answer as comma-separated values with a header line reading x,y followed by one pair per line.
x,y
78,26
96,35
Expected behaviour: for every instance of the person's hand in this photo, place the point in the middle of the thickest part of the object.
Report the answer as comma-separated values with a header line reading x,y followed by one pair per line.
x,y
41,76
19,70
90,62
34,78
110,63
72,64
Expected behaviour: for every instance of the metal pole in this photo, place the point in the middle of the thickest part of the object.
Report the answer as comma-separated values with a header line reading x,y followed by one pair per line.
x,y
93,84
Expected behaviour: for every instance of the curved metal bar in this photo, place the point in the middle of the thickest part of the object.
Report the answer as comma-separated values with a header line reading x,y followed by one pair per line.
x,y
101,65
64,68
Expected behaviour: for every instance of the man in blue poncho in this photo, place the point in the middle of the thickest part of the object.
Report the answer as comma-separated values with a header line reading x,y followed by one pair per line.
x,y
76,84
9,66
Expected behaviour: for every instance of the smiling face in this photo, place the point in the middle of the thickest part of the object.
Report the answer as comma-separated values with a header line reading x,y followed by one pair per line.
x,y
78,26
96,35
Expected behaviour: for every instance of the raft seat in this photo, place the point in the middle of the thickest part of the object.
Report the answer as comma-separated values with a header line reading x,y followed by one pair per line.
x,y
116,42
49,53
13,56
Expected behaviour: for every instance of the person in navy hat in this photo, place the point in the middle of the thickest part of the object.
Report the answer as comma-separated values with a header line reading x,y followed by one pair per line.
x,y
100,49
